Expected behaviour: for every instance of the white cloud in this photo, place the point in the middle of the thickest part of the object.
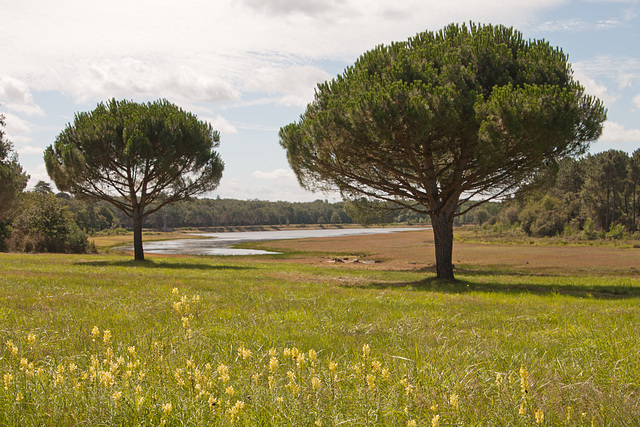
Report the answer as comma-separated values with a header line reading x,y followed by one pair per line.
x,y
221,124
297,84
594,88
615,132
27,149
285,189
39,173
129,77
636,100
625,71
605,24
203,50
29,110
563,25
276,174
14,90
15,126
288,7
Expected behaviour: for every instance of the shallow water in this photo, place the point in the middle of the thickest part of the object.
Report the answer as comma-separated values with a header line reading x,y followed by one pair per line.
x,y
221,243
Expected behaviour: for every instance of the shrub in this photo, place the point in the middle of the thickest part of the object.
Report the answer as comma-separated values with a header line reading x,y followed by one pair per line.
x,y
616,232
45,224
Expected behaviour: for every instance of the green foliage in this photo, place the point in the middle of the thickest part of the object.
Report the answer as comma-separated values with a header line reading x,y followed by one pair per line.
x,y
138,157
441,119
45,224
594,194
13,180
617,232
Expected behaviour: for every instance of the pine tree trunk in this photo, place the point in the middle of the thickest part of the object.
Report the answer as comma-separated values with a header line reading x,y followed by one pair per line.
x,y
137,235
443,236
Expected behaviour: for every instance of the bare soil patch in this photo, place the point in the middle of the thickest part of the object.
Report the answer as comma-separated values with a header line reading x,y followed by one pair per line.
x,y
414,250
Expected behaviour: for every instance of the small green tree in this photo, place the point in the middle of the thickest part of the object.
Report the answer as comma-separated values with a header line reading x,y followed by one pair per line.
x,y
46,224
463,114
138,157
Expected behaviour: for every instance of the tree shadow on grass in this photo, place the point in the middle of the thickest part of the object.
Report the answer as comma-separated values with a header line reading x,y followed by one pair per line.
x,y
465,285
153,264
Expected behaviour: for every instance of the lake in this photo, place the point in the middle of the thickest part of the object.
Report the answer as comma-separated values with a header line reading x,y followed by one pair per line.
x,y
221,243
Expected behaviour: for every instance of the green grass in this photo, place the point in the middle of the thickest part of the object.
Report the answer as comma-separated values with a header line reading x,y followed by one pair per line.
x,y
490,349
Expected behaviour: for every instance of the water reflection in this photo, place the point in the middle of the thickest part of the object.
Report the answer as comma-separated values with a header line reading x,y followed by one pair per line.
x,y
221,243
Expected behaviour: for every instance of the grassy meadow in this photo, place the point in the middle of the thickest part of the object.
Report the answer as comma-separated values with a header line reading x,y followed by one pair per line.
x,y
295,339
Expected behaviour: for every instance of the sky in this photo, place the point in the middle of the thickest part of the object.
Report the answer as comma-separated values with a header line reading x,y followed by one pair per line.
x,y
251,66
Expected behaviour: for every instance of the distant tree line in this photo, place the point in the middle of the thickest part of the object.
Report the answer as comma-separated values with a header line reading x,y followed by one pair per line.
x,y
42,221
595,196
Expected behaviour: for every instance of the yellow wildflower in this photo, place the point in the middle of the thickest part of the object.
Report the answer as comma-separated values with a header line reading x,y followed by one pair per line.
x,y
295,388
223,372
273,364
412,423
365,351
333,366
435,421
229,390
245,353
212,402
453,401
300,360
385,373
371,381
166,408
233,411
19,397
8,379
524,381
116,397
539,414
175,291
95,332
107,336
12,347
315,383
31,338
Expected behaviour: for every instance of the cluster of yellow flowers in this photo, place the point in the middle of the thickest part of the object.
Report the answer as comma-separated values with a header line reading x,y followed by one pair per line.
x,y
187,308
157,382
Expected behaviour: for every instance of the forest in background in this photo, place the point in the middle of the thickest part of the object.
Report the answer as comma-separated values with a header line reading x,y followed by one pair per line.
x,y
588,198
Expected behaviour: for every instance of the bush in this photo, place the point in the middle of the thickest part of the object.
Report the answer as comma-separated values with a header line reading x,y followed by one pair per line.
x,y
45,224
616,232
589,230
